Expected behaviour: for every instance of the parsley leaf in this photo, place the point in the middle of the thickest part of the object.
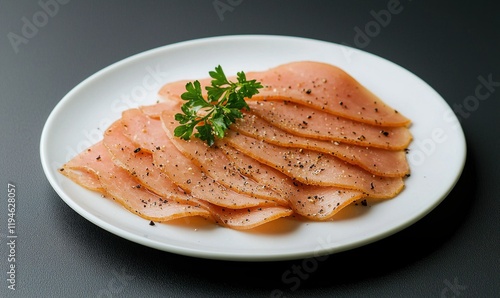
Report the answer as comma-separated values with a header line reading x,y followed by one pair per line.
x,y
211,117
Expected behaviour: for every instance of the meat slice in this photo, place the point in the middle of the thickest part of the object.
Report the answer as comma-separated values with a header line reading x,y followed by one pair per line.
x,y
248,218
214,162
389,163
148,134
309,122
311,201
315,168
123,188
76,170
139,164
154,110
319,85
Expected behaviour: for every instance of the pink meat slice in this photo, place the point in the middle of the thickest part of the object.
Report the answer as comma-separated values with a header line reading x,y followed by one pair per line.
x,y
308,122
154,110
316,168
148,134
318,85
311,201
139,163
248,218
216,164
301,197
382,162
390,163
76,170
125,189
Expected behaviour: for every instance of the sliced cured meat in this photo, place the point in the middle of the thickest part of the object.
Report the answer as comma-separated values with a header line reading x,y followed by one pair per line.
x,y
308,122
311,201
377,161
314,141
315,168
326,87
248,218
148,133
124,189
76,170
139,164
318,85
216,164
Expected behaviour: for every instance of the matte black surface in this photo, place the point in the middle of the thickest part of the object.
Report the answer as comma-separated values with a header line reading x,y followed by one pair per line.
x,y
454,251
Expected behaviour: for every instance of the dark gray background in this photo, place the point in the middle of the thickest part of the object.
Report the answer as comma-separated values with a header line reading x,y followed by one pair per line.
x,y
454,251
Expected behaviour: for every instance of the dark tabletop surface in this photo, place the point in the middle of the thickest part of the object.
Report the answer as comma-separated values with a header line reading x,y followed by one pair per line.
x,y
47,47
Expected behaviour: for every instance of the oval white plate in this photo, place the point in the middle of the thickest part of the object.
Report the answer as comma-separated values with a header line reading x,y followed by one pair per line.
x,y
437,154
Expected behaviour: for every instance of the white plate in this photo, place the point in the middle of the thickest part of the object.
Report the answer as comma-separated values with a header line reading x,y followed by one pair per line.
x,y
437,154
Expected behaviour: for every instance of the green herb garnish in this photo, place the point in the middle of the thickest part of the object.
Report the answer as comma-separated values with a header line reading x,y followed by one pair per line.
x,y
212,116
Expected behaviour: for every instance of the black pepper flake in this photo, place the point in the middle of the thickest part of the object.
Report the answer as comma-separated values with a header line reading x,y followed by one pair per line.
x,y
385,133
98,157
364,203
371,185
137,150
61,169
151,223
308,91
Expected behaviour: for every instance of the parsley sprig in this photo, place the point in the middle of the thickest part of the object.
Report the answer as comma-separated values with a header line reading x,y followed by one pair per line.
x,y
212,116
